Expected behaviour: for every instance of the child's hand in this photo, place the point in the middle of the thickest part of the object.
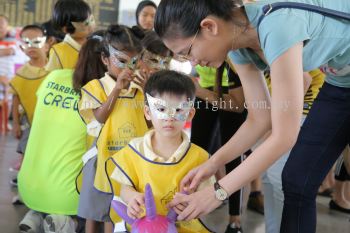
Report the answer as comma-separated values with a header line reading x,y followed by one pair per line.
x,y
141,78
135,206
124,79
4,80
17,132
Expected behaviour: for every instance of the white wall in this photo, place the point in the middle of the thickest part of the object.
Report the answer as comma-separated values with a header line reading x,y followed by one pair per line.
x,y
127,10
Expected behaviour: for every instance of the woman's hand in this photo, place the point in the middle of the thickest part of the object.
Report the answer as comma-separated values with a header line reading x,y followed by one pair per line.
x,y
195,205
192,180
135,205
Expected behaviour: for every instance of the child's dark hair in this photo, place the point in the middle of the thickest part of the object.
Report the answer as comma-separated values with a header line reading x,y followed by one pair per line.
x,y
142,5
154,44
51,32
122,38
181,18
67,11
33,27
90,65
170,82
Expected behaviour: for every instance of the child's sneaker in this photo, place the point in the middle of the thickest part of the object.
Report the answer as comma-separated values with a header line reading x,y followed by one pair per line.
x,y
31,223
59,224
13,182
16,200
232,228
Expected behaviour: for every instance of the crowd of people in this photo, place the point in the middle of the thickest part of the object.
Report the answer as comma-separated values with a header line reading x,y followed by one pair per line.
x,y
101,113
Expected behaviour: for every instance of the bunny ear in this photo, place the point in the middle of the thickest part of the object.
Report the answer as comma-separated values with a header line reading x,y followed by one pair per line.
x,y
151,211
121,210
172,216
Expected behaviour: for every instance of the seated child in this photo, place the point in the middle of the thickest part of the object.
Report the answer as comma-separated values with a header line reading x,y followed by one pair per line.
x,y
165,154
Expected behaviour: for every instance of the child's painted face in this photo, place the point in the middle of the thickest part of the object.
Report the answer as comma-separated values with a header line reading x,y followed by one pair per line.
x,y
119,60
33,43
155,62
85,28
168,113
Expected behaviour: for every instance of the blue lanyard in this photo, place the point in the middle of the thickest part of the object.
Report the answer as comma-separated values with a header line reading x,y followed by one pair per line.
x,y
267,9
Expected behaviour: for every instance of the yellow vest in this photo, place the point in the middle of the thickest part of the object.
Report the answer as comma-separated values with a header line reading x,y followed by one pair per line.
x,y
316,83
124,123
164,178
66,54
26,82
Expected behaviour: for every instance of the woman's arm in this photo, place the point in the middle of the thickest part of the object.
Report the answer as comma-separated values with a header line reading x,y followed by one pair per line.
x,y
258,122
286,109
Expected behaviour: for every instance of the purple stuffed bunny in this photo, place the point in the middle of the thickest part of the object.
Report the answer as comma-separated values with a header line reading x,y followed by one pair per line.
x,y
151,223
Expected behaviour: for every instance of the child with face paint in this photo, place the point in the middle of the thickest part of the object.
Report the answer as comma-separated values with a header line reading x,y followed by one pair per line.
x,y
156,56
115,102
25,83
75,19
163,155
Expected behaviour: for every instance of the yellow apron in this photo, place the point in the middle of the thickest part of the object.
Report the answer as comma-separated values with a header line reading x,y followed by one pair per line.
x,y
124,123
316,83
66,54
25,84
164,178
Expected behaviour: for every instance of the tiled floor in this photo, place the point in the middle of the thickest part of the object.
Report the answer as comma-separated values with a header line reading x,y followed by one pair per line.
x,y
328,221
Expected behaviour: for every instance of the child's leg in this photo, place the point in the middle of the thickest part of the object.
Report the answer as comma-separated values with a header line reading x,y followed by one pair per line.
x,y
108,227
235,200
91,226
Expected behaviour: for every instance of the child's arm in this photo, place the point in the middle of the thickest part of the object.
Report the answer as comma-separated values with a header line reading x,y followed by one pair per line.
x,y
7,52
15,114
134,200
102,113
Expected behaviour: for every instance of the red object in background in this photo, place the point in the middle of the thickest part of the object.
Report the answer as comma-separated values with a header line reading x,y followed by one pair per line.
x,y
188,125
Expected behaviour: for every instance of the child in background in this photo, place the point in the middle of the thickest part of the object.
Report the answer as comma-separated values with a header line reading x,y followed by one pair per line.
x,y
55,149
25,84
156,56
163,155
89,67
114,103
75,19
52,35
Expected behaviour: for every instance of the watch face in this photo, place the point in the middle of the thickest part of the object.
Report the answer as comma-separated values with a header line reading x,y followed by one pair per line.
x,y
221,194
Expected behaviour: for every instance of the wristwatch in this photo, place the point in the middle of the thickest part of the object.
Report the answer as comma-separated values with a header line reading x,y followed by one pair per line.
x,y
220,193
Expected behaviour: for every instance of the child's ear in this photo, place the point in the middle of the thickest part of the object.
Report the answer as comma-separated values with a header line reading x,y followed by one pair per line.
x,y
104,59
64,30
147,112
191,114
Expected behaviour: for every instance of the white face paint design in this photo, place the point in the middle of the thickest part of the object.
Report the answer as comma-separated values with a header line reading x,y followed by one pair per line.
x,y
163,110
37,42
122,60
